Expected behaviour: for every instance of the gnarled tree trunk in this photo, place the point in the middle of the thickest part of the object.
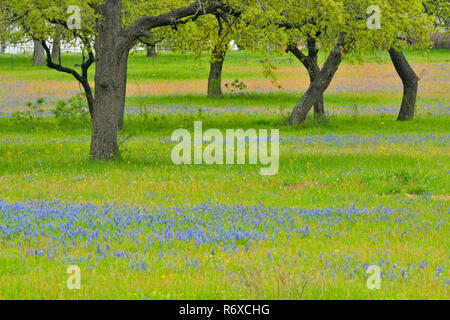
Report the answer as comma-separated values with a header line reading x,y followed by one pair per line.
x,y
321,82
410,82
38,54
215,72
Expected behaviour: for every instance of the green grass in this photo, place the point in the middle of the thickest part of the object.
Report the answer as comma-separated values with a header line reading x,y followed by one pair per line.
x,y
273,100
324,162
238,65
374,188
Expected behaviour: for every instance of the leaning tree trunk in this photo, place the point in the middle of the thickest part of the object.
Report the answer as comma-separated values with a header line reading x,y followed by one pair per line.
x,y
322,81
410,82
311,64
110,85
313,71
151,51
38,54
215,73
319,107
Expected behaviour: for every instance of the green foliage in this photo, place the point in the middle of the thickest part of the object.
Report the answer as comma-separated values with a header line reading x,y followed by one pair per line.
x,y
269,71
72,109
290,21
33,18
33,110
236,86
37,18
440,9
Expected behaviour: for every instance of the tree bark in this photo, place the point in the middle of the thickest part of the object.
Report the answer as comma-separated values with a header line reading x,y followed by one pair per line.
x,y
2,45
215,72
313,71
151,51
319,107
110,84
410,82
56,49
322,81
89,96
38,54
311,64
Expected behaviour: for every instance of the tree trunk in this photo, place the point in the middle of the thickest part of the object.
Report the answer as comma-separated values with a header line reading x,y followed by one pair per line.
x,y
319,107
2,45
410,82
215,73
38,54
314,94
151,51
56,49
110,84
313,71
89,96
311,64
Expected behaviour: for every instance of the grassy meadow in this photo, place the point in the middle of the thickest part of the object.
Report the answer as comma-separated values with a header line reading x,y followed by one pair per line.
x,y
353,190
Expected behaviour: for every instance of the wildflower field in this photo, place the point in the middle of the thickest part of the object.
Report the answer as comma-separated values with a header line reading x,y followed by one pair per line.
x,y
355,190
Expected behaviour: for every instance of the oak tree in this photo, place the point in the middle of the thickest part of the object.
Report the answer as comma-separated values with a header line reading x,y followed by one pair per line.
x,y
342,28
108,31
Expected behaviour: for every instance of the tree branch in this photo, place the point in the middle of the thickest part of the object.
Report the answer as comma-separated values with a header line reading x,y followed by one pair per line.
x,y
143,26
